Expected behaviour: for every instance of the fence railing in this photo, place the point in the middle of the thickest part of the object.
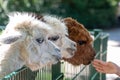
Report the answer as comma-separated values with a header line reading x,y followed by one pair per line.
x,y
64,70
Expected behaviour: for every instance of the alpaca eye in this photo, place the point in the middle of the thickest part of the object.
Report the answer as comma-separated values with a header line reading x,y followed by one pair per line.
x,y
40,40
81,42
55,38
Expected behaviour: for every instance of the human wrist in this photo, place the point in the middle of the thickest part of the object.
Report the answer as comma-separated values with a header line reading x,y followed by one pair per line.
x,y
117,70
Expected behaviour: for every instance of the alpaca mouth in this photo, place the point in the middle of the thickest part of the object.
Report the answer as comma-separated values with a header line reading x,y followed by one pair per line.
x,y
71,51
86,63
57,57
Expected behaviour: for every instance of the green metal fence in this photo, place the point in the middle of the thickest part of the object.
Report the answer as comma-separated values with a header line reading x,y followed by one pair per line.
x,y
64,70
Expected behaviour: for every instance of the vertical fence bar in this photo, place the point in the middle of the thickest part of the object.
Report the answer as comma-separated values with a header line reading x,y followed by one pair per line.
x,y
100,45
104,41
97,46
56,72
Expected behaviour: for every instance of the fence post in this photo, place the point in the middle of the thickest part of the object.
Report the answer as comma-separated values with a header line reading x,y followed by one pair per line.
x,y
97,42
100,45
56,72
104,40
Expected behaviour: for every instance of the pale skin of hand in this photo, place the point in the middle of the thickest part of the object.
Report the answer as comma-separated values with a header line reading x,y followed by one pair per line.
x,y
106,67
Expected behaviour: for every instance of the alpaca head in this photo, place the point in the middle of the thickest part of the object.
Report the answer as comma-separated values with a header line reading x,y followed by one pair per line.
x,y
67,46
85,52
31,37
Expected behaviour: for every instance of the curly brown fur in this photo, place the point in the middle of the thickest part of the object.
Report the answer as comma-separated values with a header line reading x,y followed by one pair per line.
x,y
85,52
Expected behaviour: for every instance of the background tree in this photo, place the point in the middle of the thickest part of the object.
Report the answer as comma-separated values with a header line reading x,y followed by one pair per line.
x,y
91,13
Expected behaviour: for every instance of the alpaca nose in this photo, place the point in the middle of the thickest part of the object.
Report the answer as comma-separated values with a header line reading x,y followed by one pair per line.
x,y
74,46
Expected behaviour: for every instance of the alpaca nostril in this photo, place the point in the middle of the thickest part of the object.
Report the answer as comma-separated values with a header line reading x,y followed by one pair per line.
x,y
75,45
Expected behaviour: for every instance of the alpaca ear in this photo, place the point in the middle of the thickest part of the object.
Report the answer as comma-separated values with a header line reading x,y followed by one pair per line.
x,y
8,39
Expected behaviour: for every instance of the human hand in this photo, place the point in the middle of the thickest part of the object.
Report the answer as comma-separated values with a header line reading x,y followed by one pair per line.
x,y
105,67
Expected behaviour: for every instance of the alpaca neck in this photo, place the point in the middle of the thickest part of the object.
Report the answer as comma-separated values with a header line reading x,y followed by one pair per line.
x,y
10,60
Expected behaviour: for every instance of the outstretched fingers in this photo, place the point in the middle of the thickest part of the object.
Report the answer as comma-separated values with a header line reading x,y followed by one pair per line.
x,y
100,66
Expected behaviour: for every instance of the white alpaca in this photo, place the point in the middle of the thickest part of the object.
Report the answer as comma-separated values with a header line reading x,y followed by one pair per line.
x,y
68,47
25,41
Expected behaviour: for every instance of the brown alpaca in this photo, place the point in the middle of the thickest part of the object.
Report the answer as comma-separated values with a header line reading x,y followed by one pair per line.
x,y
78,33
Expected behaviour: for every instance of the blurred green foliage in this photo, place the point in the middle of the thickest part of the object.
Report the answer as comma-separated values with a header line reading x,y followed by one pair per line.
x,y
91,13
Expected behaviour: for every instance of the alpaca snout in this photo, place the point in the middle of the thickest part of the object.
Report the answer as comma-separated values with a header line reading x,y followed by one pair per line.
x,y
73,47
71,51
74,44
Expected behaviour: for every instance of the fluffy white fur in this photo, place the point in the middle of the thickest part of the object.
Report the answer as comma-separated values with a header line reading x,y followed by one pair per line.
x,y
25,41
68,47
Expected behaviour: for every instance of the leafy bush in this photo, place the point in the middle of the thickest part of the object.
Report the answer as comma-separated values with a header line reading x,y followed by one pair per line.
x,y
91,13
